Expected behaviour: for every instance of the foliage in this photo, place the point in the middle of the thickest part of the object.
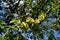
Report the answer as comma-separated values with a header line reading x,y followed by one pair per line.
x,y
38,15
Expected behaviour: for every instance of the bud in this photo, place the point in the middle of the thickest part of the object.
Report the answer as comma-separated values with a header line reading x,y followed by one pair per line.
x,y
34,3
21,3
15,15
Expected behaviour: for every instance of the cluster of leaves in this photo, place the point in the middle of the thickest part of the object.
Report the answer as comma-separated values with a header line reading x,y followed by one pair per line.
x,y
31,14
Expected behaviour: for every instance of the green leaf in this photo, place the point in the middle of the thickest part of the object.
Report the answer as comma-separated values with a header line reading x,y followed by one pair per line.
x,y
15,21
2,22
